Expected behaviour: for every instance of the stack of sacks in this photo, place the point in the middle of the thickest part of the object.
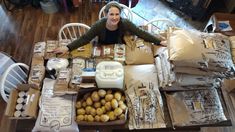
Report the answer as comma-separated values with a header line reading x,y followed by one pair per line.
x,y
203,51
167,77
199,58
232,40
193,59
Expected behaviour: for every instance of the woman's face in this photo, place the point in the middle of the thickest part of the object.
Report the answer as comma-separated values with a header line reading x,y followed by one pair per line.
x,y
113,16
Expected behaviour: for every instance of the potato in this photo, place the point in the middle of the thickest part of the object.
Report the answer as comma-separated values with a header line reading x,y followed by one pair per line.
x,y
104,109
88,109
80,118
102,93
109,91
85,117
118,111
108,97
114,103
79,104
122,117
97,118
93,111
81,111
120,102
95,97
102,101
90,118
118,95
97,104
84,104
108,106
89,101
99,111
104,118
111,116
123,107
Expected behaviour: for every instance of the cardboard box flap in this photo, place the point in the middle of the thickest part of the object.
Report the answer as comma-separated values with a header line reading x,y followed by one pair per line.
x,y
11,103
25,87
32,102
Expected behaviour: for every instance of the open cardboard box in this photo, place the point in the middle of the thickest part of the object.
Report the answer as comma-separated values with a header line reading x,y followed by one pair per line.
x,y
213,24
114,122
31,108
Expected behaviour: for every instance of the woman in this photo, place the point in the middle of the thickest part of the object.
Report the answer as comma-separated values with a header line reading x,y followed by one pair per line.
x,y
110,30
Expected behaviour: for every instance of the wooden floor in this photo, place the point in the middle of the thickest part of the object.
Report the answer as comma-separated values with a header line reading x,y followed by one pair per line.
x,y
19,30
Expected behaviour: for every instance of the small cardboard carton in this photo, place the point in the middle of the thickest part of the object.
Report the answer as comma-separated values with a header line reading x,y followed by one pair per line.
x,y
31,102
84,94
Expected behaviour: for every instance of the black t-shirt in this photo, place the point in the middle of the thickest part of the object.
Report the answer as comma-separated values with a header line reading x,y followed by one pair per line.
x,y
111,37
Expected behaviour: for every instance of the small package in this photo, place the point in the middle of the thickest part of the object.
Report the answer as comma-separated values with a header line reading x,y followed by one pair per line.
x,y
62,83
119,52
39,49
107,51
50,47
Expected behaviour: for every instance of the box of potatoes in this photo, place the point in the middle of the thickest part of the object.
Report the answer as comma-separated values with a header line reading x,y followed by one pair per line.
x,y
101,107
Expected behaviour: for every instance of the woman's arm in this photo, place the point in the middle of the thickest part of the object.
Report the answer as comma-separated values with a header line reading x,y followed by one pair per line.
x,y
132,28
88,36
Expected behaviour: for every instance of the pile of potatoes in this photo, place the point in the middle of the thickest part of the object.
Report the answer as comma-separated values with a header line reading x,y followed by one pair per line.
x,y
101,106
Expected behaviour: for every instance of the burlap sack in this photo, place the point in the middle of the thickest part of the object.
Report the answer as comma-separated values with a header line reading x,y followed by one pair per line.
x,y
200,50
138,51
56,113
191,108
143,97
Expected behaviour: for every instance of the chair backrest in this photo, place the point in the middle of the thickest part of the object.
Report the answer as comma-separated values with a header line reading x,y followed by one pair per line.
x,y
159,26
72,31
15,74
126,12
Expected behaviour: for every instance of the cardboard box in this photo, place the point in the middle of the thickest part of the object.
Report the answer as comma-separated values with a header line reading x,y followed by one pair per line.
x,y
31,105
229,85
84,94
213,25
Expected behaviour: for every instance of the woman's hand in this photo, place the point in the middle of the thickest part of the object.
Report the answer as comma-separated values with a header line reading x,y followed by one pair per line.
x,y
163,43
61,50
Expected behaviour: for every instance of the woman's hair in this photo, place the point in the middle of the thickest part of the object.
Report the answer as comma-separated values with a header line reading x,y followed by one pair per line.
x,y
112,4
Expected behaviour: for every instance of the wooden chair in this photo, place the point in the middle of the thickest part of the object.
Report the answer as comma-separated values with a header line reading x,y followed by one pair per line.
x,y
126,12
159,26
15,74
72,31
